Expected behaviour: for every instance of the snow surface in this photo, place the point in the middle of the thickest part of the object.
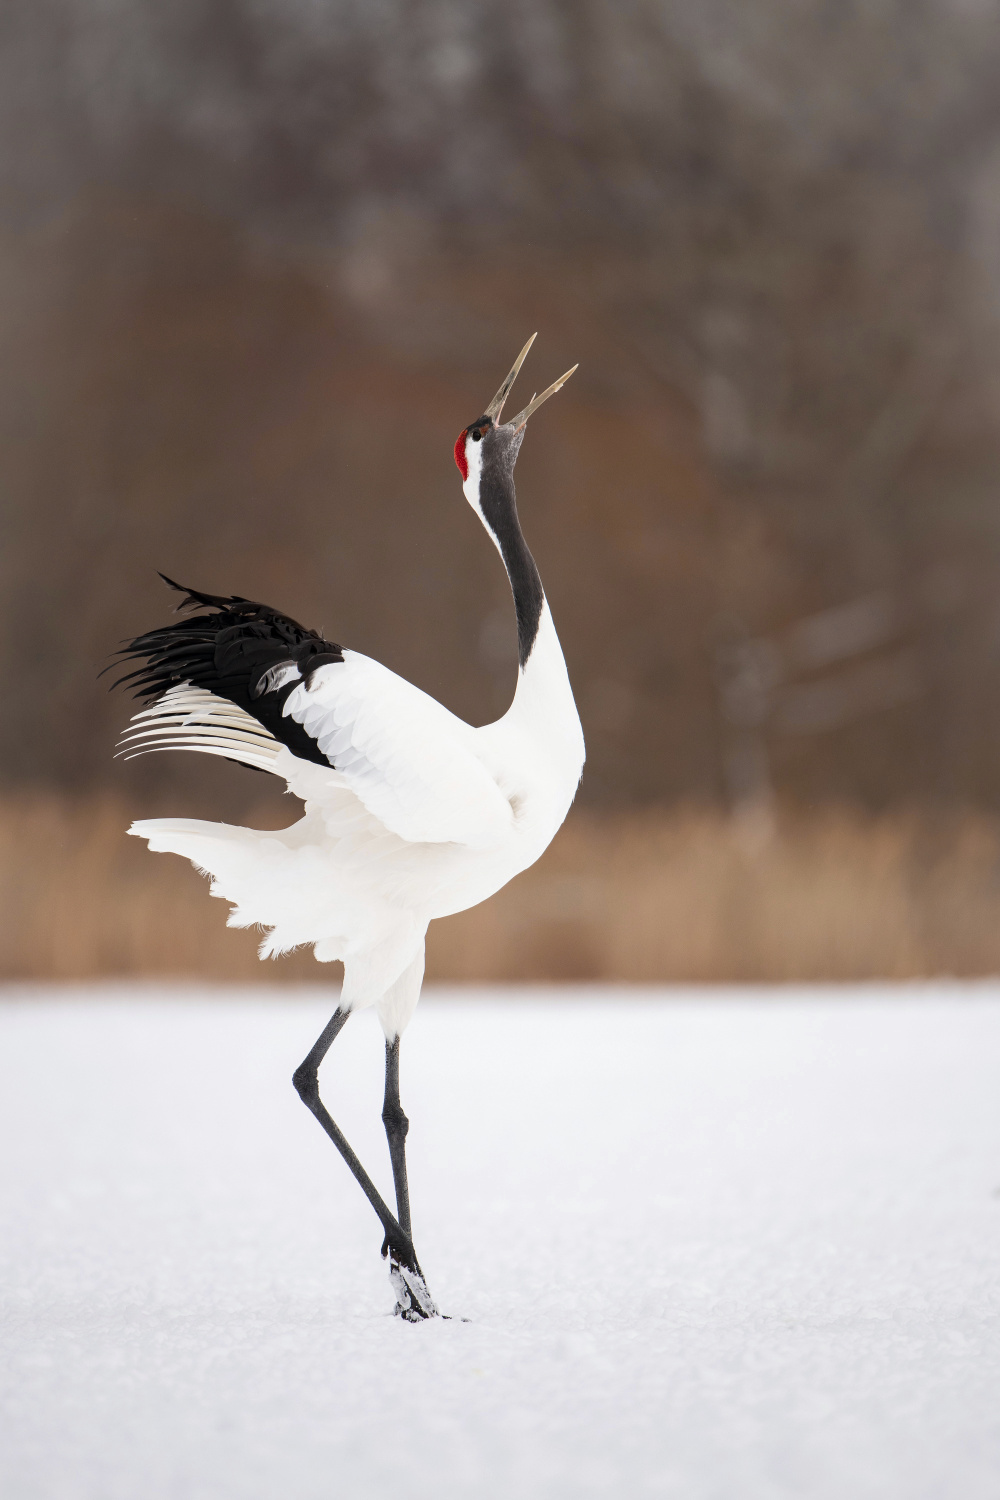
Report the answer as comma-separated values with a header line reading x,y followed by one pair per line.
x,y
727,1244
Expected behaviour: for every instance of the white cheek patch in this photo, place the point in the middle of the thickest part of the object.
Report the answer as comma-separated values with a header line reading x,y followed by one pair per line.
x,y
474,461
474,464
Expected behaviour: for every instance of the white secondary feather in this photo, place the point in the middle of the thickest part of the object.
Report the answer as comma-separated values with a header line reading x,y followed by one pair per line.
x,y
409,761
190,718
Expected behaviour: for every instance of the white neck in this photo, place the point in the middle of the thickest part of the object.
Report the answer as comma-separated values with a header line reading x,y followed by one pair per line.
x,y
543,720
543,682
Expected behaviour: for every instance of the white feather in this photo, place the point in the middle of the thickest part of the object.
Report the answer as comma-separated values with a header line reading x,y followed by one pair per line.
x,y
411,763
189,718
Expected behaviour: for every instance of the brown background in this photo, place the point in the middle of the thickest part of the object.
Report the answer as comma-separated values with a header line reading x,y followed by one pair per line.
x,y
259,265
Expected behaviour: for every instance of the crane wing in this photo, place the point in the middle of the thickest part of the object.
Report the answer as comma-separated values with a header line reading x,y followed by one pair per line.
x,y
247,683
406,758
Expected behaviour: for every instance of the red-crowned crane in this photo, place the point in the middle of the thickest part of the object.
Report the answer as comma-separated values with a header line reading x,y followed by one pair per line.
x,y
410,813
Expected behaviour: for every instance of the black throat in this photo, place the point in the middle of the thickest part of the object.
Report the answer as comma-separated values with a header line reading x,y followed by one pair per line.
x,y
498,503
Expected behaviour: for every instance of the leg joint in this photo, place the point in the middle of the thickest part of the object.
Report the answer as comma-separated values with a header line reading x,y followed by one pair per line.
x,y
394,1120
306,1083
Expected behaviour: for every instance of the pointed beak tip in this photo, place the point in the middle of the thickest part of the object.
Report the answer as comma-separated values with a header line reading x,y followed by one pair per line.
x,y
496,405
518,422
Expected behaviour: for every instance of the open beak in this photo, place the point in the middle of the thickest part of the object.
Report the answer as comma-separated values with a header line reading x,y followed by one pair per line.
x,y
496,405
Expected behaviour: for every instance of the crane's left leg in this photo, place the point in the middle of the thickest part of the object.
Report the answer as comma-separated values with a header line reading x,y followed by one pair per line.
x,y
395,1009
413,1300
396,1130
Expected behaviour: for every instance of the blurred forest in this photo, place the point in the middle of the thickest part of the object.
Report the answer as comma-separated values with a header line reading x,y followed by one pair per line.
x,y
260,262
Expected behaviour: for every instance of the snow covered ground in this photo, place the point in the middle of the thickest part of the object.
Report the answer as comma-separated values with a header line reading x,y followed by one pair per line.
x,y
733,1245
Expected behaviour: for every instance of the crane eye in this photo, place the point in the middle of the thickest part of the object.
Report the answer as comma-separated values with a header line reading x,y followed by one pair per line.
x,y
476,434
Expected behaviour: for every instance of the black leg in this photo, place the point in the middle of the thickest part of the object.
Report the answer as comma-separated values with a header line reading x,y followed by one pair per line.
x,y
396,1128
307,1086
414,1301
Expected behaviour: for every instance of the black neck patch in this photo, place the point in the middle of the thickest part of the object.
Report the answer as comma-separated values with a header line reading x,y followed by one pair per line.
x,y
498,503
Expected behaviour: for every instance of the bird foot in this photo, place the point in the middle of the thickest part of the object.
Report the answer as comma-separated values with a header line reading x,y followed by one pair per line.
x,y
414,1302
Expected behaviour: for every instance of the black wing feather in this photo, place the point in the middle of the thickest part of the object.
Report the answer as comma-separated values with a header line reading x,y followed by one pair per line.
x,y
229,652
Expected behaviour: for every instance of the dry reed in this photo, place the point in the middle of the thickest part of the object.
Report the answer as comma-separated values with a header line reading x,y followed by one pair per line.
x,y
662,895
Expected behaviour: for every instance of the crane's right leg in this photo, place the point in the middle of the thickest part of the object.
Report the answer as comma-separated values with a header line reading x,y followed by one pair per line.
x,y
397,1243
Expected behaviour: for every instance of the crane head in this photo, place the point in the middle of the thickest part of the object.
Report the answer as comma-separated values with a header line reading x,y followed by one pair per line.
x,y
488,441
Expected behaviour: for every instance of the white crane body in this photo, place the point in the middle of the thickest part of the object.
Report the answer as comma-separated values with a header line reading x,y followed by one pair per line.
x,y
346,879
